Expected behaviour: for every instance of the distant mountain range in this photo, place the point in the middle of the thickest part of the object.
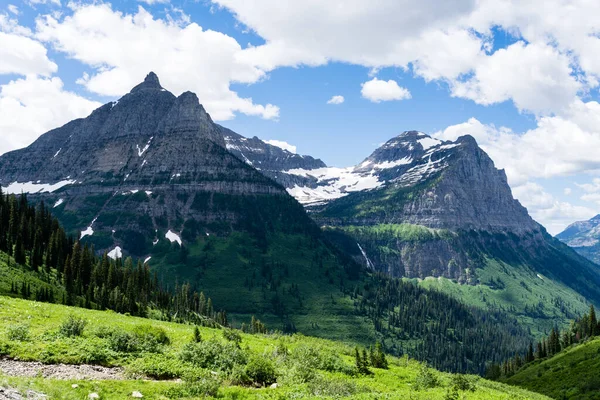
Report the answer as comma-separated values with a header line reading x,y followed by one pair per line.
x,y
152,176
584,237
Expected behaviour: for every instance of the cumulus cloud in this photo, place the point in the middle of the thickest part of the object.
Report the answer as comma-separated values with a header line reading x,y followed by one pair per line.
x,y
336,100
13,9
553,214
556,54
377,91
536,77
23,56
558,146
121,48
282,145
34,105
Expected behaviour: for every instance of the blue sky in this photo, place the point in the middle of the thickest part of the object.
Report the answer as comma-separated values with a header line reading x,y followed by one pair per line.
x,y
525,86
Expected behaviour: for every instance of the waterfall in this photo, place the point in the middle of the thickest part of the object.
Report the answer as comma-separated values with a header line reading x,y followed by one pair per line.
x,y
369,263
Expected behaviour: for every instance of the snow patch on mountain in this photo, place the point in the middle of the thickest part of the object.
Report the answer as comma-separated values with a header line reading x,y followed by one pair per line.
x,y
58,202
115,253
337,182
173,237
30,187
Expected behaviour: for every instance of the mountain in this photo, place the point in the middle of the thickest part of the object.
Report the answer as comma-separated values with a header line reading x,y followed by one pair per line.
x,y
584,237
150,176
271,160
422,208
153,177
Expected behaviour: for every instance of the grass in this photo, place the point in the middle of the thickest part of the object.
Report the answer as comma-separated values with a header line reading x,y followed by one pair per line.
x,y
305,367
571,374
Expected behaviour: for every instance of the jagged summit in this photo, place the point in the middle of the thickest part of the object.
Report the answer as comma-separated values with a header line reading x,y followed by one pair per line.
x,y
149,145
150,82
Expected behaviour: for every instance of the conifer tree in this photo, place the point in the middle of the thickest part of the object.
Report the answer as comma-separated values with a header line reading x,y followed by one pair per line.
x,y
593,322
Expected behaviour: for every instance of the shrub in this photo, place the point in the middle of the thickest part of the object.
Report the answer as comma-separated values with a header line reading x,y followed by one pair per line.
x,y
296,372
213,355
19,332
123,342
232,336
321,358
260,370
72,326
195,385
426,378
336,388
462,383
158,366
149,333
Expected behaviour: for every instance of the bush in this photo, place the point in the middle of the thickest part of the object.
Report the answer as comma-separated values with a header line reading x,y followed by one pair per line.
x,y
195,385
462,383
232,336
149,333
158,366
296,372
260,370
426,378
145,338
336,388
212,354
72,326
19,333
321,358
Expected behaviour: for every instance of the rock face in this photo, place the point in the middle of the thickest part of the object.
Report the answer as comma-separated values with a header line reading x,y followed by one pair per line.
x,y
137,169
584,237
271,160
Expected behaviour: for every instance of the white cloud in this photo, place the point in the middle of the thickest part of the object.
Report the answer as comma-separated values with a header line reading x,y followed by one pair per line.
x,y
558,146
34,105
441,41
336,100
282,145
23,56
554,215
591,197
34,2
13,9
590,187
152,2
568,191
122,48
536,77
377,91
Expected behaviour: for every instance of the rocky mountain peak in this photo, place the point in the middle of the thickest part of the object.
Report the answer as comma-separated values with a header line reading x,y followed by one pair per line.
x,y
150,82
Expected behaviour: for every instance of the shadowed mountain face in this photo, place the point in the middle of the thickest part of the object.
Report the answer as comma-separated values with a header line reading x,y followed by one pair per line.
x,y
135,170
584,237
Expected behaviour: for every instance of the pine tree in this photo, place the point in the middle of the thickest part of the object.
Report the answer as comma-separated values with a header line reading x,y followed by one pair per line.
x,y
197,337
530,357
593,322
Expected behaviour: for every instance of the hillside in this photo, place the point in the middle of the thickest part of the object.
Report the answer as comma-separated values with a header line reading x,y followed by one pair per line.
x,y
302,366
574,373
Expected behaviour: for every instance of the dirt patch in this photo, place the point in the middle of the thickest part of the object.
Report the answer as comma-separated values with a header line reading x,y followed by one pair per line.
x,y
59,371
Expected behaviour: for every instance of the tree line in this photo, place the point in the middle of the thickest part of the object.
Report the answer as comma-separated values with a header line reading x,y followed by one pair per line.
x,y
74,275
432,326
580,330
